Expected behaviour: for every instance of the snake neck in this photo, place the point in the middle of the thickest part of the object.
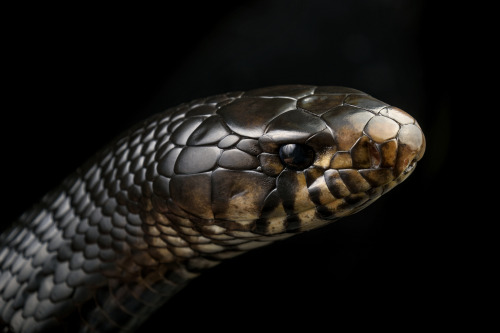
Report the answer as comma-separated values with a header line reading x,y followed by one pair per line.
x,y
92,256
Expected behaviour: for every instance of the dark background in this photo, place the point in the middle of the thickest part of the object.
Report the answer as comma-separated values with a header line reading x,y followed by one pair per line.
x,y
76,77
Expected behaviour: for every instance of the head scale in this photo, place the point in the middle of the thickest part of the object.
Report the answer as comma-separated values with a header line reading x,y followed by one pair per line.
x,y
285,159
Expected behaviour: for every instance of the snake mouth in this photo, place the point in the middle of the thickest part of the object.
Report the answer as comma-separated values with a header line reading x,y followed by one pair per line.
x,y
351,191
351,182
333,194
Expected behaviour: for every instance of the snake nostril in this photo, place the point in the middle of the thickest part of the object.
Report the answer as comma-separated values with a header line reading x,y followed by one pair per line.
x,y
375,158
411,166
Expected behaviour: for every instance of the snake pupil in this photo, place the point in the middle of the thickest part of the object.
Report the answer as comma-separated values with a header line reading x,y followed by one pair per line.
x,y
296,156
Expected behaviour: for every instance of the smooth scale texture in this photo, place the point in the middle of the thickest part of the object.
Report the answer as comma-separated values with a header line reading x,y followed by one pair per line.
x,y
188,188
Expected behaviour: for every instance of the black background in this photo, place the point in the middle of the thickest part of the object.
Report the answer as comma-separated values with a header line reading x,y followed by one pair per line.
x,y
75,77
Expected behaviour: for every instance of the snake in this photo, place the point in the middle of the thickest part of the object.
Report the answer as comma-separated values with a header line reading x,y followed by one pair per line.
x,y
190,187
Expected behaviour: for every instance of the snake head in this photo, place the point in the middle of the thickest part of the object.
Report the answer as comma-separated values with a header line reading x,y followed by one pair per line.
x,y
286,159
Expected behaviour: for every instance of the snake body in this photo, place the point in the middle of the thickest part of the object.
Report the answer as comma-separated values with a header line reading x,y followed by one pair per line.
x,y
190,187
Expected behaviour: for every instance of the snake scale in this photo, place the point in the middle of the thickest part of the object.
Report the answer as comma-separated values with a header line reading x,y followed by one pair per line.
x,y
189,187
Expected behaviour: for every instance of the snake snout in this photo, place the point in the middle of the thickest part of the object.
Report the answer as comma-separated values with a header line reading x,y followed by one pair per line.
x,y
411,148
410,142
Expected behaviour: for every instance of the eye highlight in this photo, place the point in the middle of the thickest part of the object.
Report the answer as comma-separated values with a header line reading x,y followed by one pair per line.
x,y
296,156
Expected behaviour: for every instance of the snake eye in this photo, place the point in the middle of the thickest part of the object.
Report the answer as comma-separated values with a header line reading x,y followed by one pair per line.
x,y
296,156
